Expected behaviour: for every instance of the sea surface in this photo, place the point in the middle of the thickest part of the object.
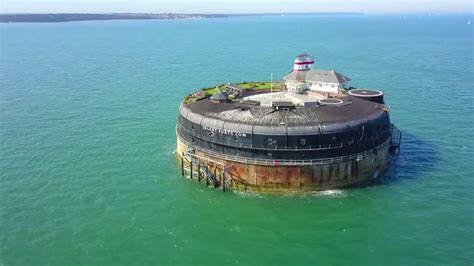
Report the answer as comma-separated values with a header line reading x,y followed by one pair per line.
x,y
87,134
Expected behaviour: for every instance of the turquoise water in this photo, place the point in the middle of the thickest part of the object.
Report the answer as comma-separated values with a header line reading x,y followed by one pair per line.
x,y
88,175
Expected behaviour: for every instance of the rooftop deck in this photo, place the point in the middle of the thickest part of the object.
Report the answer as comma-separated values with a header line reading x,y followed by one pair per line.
x,y
266,99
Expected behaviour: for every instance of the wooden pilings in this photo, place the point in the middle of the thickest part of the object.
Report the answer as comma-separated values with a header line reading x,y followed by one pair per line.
x,y
199,173
224,185
213,172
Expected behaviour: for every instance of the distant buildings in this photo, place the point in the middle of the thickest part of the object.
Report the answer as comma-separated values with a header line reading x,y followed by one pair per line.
x,y
62,17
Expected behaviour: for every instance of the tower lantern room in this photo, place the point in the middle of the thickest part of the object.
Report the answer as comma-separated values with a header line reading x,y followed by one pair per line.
x,y
303,62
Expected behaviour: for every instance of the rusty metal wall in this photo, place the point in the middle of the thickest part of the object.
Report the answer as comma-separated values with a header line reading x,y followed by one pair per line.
x,y
301,178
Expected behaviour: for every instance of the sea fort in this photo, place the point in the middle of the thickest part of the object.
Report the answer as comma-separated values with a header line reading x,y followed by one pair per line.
x,y
310,131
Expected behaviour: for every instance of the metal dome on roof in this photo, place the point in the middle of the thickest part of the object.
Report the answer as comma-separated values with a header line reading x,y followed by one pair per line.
x,y
304,57
220,97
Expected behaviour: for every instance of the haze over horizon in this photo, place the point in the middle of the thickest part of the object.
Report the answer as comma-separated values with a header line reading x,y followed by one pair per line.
x,y
233,6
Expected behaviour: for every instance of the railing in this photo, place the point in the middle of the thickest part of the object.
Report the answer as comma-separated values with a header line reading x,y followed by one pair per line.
x,y
396,139
273,162
272,148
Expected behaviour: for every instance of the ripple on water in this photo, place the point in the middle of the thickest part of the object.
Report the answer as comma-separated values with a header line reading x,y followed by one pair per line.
x,y
87,169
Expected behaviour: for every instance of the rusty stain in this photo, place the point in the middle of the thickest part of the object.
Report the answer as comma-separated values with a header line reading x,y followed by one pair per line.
x,y
300,178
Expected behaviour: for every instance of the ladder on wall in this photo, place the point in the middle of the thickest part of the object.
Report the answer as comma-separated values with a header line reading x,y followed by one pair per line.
x,y
395,140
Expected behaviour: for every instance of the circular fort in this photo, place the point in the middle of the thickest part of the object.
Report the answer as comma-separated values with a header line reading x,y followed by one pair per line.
x,y
311,131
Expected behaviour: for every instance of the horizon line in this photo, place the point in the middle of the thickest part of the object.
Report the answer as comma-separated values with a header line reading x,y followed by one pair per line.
x,y
245,13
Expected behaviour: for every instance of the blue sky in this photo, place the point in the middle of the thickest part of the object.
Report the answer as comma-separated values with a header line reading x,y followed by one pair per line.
x,y
233,6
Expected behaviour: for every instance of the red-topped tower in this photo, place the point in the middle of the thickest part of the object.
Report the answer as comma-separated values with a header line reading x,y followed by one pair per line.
x,y
303,62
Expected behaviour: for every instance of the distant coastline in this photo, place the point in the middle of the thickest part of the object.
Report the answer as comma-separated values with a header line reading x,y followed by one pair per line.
x,y
69,17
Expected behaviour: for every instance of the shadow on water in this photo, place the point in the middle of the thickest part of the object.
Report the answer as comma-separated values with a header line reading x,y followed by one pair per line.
x,y
417,157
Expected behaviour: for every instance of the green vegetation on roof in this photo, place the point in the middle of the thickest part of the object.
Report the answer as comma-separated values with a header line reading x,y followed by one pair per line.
x,y
259,85
213,90
253,85
203,93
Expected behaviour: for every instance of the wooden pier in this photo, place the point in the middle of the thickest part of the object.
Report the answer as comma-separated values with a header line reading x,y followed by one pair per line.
x,y
211,172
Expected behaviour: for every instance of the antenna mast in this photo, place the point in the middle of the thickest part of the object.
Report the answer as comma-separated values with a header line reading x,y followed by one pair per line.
x,y
271,88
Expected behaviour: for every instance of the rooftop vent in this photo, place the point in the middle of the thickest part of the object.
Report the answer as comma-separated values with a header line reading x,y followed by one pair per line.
x,y
284,106
369,95
330,102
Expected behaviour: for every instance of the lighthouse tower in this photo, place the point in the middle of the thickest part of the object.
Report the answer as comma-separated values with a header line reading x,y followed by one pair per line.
x,y
303,62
